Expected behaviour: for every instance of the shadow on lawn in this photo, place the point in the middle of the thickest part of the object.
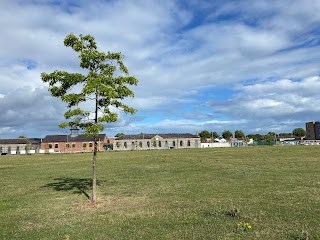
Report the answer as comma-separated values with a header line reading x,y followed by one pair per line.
x,y
77,185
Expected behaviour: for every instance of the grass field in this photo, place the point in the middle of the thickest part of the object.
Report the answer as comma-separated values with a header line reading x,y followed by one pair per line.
x,y
164,194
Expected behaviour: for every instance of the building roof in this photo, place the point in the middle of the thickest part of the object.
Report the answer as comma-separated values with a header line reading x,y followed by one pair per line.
x,y
165,135
20,141
68,138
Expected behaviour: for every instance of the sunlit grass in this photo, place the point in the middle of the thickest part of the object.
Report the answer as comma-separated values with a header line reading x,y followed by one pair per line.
x,y
163,194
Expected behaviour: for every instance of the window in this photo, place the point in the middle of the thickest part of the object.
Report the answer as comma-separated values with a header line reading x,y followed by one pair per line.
x,y
84,145
67,145
50,145
56,145
181,143
125,145
90,144
189,143
140,144
174,143
148,144
159,143
73,145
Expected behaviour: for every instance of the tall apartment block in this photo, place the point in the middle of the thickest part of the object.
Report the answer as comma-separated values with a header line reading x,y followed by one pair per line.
x,y
313,130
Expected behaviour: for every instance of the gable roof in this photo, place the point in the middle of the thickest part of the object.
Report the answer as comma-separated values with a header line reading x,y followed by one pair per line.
x,y
68,138
20,141
165,135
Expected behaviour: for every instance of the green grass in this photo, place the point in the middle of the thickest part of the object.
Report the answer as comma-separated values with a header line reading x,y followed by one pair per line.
x,y
167,194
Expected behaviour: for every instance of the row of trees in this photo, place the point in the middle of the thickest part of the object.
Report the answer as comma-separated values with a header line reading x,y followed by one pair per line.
x,y
270,136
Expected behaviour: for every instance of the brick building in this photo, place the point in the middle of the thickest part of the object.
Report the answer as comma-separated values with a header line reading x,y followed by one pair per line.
x,y
72,143
312,131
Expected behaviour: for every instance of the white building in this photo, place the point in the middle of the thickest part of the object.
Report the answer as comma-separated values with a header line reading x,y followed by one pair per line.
x,y
156,141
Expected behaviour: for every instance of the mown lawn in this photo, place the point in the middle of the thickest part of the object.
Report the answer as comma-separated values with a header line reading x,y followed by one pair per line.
x,y
164,194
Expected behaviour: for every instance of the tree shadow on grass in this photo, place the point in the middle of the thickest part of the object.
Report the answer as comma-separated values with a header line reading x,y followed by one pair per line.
x,y
76,185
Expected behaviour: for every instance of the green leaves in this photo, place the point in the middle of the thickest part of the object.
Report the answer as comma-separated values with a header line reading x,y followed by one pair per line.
x,y
105,84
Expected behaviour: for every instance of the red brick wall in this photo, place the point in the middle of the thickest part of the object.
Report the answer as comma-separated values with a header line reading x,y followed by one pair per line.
x,y
73,146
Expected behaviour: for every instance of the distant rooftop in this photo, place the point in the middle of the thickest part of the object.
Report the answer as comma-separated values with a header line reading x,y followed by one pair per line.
x,y
164,135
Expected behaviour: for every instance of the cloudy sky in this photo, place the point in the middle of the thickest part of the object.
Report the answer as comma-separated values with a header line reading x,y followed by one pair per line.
x,y
250,65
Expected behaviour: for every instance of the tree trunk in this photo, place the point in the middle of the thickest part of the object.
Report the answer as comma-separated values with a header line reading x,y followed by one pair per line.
x,y
94,159
94,173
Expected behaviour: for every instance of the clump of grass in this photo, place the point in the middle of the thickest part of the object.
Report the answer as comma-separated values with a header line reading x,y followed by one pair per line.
x,y
304,236
234,212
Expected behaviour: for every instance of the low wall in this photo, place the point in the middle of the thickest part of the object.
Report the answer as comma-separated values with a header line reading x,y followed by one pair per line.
x,y
216,144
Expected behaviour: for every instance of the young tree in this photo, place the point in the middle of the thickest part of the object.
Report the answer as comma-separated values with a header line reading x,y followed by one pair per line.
x,y
104,86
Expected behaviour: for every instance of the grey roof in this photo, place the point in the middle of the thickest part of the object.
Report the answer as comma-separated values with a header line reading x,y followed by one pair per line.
x,y
20,141
68,138
165,135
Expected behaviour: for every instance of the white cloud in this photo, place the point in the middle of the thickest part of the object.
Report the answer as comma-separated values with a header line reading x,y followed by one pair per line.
x,y
266,52
279,101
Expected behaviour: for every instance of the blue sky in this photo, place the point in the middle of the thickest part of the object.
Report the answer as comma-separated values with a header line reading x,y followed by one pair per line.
x,y
249,65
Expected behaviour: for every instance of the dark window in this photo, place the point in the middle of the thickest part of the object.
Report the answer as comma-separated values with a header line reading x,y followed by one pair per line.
x,y
159,143
181,143
67,145
50,145
73,145
174,143
125,145
148,144
189,143
140,144
56,145
84,145
90,144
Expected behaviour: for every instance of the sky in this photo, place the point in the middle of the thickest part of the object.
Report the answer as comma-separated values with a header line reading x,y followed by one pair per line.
x,y
250,65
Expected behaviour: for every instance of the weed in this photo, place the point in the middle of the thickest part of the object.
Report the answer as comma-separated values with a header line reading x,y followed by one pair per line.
x,y
243,227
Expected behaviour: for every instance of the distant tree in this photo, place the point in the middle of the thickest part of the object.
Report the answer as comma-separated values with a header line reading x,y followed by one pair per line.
x,y
246,139
227,134
103,88
204,135
239,134
214,135
285,134
270,137
119,134
251,135
22,136
256,137
299,132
